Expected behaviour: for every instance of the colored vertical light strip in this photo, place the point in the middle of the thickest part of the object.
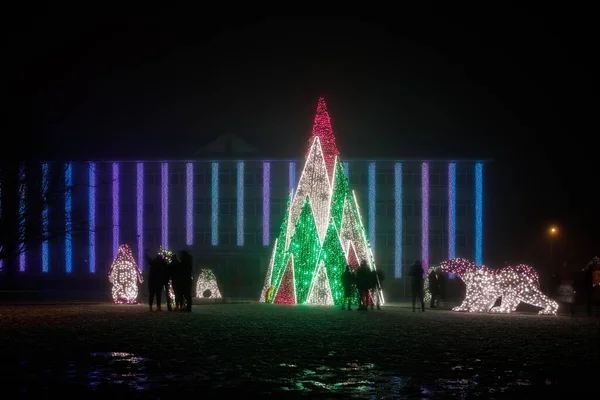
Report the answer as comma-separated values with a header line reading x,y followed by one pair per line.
x,y
292,176
451,210
425,216
23,220
92,218
115,207
189,204
214,234
372,195
266,211
479,214
240,203
398,220
45,215
68,218
164,204
140,213
346,166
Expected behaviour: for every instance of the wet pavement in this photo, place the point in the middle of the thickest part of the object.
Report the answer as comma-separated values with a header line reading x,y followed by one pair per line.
x,y
293,351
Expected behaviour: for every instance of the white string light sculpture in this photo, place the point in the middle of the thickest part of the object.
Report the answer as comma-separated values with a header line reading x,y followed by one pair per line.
x,y
124,275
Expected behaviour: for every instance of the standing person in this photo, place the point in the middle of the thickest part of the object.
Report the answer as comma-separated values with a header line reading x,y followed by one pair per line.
x,y
363,282
348,285
154,281
165,273
434,288
187,279
416,274
176,279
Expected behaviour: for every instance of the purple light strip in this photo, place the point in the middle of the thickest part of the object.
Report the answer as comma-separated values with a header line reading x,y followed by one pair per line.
x,y
425,216
164,204
266,203
115,208
451,210
23,222
292,176
92,218
140,213
189,204
240,203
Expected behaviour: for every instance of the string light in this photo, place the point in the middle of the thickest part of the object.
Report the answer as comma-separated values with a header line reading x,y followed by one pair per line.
x,y
207,282
124,275
322,129
321,233
514,284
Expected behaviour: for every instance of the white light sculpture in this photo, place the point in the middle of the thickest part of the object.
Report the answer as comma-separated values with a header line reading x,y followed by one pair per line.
x,y
124,275
514,284
207,281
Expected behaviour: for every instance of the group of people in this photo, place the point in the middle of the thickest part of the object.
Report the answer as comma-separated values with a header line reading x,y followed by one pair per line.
x,y
366,283
435,284
176,271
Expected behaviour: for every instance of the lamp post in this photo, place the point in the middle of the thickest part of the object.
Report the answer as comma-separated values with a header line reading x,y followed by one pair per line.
x,y
553,232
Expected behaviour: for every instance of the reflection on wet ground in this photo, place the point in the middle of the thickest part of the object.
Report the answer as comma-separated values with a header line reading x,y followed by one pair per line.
x,y
123,373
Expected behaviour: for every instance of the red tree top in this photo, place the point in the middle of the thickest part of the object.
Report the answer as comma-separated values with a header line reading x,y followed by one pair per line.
x,y
322,129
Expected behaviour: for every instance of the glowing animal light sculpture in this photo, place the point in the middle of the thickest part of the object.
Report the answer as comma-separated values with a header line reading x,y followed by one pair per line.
x,y
514,284
124,275
322,230
206,286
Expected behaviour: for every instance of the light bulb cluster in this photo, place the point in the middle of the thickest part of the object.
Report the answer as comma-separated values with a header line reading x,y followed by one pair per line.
x,y
124,275
321,232
206,286
513,284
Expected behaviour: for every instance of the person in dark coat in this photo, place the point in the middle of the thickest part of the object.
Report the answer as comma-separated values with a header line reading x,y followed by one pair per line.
x,y
349,289
186,279
166,275
154,280
363,283
416,274
434,288
176,277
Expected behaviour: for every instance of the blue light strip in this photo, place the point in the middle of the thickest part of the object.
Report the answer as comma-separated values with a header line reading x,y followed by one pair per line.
x,y
92,218
68,221
189,204
23,222
266,203
346,167
451,210
292,176
398,220
372,195
240,203
214,234
479,214
45,216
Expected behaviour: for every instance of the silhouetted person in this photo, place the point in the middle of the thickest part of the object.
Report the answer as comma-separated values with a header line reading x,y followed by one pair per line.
x,y
363,283
434,288
348,285
154,280
176,278
165,273
416,273
186,279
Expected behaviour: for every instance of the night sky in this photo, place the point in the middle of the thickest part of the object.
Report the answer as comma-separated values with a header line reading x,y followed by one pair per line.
x,y
514,86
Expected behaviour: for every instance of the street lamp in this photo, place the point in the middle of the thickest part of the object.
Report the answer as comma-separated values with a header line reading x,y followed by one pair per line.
x,y
553,232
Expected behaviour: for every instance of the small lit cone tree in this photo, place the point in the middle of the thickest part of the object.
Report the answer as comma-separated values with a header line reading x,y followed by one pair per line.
x,y
124,275
206,286
322,231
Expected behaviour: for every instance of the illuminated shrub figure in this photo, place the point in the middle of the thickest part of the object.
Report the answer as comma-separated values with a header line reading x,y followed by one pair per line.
x,y
514,284
124,275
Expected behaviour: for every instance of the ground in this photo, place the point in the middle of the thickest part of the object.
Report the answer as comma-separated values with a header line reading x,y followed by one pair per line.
x,y
293,351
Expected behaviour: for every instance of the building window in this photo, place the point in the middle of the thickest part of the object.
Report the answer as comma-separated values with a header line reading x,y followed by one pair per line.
x,y
202,206
435,209
407,210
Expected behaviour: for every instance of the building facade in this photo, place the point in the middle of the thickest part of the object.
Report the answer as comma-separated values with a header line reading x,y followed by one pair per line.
x,y
228,212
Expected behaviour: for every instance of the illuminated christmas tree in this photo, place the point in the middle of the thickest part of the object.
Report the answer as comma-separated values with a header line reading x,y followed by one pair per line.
x,y
322,231
124,275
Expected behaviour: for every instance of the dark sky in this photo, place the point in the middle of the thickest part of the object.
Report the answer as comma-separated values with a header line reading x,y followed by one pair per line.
x,y
514,85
